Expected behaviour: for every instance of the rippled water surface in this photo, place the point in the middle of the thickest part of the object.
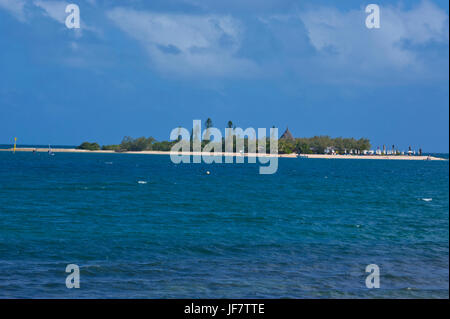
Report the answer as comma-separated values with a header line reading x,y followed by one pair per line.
x,y
139,226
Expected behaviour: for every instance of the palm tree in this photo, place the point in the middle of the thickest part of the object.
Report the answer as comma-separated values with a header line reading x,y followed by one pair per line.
x,y
230,126
179,134
208,124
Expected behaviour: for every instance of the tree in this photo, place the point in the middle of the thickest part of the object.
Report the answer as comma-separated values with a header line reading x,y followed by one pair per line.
x,y
111,147
179,134
302,146
136,145
286,146
230,134
89,146
208,125
163,146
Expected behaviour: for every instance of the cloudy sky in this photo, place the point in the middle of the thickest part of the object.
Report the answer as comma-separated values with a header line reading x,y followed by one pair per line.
x,y
142,68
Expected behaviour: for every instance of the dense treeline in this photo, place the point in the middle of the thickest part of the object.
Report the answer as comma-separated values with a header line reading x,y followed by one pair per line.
x,y
312,145
130,144
89,146
319,144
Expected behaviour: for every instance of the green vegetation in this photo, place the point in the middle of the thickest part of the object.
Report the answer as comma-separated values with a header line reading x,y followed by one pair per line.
x,y
136,144
89,146
318,144
286,145
164,146
111,148
208,123
139,144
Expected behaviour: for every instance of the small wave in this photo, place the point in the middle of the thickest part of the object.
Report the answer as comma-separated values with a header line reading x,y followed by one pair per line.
x,y
142,182
108,163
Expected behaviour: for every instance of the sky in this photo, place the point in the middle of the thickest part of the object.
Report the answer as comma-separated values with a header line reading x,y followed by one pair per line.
x,y
142,68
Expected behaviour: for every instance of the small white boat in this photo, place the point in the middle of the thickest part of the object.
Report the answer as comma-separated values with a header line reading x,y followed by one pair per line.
x,y
50,152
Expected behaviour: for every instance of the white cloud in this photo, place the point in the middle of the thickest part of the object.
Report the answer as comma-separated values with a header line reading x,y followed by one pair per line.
x,y
426,23
56,10
322,43
15,7
200,45
53,9
347,47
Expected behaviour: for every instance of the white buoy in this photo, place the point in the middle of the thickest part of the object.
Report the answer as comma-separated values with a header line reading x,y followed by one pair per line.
x,y
208,172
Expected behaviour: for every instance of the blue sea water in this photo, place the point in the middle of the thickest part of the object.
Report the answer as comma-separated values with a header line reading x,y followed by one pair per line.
x,y
308,231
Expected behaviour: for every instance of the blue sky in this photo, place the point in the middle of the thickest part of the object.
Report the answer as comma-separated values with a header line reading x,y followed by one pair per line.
x,y
142,68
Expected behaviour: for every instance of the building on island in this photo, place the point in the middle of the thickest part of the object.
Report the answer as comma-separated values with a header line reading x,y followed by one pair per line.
x,y
287,135
410,152
330,150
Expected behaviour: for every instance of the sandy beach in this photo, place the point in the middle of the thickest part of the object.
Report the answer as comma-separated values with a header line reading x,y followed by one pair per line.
x,y
378,157
306,156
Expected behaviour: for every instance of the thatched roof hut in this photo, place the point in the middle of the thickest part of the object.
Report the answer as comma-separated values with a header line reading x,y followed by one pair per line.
x,y
287,135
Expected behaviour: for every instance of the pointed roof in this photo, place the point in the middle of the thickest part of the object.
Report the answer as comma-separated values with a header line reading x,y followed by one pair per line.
x,y
287,135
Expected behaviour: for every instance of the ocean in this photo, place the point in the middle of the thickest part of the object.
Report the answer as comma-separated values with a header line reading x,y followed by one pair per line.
x,y
139,226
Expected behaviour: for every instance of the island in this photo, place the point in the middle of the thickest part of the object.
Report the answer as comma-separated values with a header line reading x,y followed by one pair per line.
x,y
316,147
